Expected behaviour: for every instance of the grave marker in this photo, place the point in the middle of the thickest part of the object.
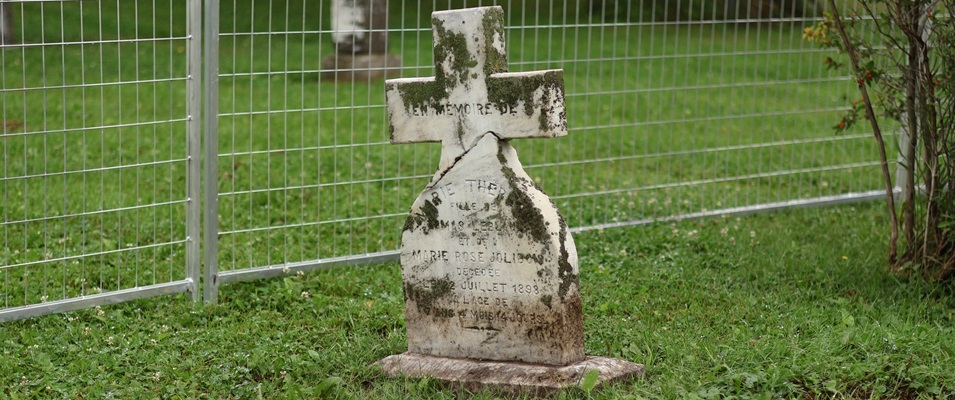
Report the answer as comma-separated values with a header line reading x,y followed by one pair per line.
x,y
360,36
489,269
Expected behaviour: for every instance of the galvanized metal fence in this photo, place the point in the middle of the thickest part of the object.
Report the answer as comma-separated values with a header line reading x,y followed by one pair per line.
x,y
676,109
100,184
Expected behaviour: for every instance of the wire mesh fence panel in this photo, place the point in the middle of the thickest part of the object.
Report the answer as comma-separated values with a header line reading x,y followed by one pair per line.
x,y
675,107
681,108
95,153
305,168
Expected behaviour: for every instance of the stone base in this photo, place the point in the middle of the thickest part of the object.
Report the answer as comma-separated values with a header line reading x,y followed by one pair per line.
x,y
359,68
508,377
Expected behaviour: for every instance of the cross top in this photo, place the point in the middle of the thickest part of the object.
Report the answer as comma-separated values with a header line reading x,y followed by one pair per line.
x,y
472,93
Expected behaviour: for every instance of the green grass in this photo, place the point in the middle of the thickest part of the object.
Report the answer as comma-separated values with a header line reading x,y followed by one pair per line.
x,y
788,305
664,120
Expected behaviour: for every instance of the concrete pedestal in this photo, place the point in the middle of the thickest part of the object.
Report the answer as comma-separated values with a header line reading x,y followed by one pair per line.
x,y
511,378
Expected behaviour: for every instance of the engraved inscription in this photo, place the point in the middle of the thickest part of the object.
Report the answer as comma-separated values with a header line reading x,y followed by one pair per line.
x,y
452,109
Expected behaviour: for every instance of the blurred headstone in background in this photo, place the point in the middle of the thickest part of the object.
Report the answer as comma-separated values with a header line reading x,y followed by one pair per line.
x,y
6,23
360,36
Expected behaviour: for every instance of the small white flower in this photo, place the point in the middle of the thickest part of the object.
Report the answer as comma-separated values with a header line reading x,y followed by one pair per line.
x,y
305,295
752,234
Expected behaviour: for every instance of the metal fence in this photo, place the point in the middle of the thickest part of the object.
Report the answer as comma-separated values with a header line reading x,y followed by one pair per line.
x,y
676,109
100,143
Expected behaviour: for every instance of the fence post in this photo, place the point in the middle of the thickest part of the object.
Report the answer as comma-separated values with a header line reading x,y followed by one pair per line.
x,y
210,100
194,142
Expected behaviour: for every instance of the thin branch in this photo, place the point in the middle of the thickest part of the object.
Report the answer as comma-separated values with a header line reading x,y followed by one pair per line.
x,y
877,132
885,35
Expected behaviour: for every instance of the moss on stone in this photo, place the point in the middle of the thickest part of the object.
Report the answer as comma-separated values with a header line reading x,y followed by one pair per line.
x,y
420,94
428,216
556,87
513,90
494,23
565,271
410,222
547,299
527,217
424,296
453,46
430,213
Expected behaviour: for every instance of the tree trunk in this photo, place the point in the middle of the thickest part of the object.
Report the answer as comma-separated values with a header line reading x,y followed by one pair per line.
x,y
911,123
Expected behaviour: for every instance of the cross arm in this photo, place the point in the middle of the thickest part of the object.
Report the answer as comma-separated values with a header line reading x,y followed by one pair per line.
x,y
538,99
410,98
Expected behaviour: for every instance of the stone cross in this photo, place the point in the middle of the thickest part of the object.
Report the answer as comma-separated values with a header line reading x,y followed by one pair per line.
x,y
472,93
489,269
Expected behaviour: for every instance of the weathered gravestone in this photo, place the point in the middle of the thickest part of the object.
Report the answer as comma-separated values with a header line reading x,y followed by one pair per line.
x,y
360,36
6,23
490,272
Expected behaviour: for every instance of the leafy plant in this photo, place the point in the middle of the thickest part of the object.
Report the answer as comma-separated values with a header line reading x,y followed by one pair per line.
x,y
590,381
902,58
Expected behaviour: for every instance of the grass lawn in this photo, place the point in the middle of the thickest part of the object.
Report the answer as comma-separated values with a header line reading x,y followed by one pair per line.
x,y
664,120
794,305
